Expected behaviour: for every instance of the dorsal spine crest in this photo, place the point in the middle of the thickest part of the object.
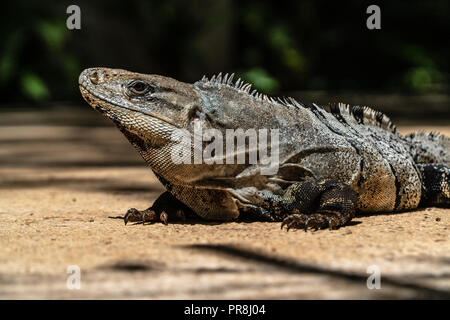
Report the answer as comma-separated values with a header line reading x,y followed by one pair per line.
x,y
363,115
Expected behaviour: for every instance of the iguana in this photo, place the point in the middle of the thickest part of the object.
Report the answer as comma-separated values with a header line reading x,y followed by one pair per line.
x,y
333,162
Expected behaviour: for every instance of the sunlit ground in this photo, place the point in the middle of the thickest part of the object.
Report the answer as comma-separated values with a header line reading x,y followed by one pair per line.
x,y
63,173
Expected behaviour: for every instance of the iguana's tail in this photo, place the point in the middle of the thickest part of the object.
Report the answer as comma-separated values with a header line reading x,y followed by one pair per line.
x,y
430,147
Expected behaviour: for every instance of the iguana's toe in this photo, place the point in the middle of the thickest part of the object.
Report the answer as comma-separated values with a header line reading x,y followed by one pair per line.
x,y
164,217
166,208
131,215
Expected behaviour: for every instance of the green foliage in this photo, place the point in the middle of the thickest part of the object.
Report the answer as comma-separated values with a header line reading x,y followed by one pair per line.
x,y
287,46
8,61
34,87
35,63
422,79
261,80
282,42
6,67
423,76
53,33
253,17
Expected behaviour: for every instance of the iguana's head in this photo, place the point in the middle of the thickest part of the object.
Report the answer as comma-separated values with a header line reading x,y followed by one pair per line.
x,y
148,109
148,106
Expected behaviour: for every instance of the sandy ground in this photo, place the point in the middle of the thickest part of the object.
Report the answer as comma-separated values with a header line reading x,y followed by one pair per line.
x,y
61,176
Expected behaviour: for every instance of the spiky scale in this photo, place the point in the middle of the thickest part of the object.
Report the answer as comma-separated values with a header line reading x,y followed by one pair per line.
x,y
219,78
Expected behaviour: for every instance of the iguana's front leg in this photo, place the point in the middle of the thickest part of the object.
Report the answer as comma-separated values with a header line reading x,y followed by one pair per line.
x,y
165,208
319,205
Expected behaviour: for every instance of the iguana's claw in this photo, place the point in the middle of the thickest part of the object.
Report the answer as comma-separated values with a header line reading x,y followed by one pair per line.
x,y
130,213
179,215
164,217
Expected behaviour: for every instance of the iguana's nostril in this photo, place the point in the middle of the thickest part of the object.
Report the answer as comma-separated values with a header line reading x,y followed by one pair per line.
x,y
94,78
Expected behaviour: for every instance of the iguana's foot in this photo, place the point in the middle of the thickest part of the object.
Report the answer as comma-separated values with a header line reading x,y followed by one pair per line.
x,y
319,205
149,215
322,220
165,208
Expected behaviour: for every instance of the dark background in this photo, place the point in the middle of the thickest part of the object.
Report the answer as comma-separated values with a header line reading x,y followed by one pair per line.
x,y
65,168
281,47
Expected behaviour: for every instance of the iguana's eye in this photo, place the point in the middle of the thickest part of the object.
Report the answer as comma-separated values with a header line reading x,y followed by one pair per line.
x,y
139,87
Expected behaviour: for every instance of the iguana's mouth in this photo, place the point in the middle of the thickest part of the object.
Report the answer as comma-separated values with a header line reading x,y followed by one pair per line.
x,y
105,107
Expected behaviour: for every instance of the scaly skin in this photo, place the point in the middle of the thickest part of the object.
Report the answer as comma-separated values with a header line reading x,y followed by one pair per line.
x,y
332,164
